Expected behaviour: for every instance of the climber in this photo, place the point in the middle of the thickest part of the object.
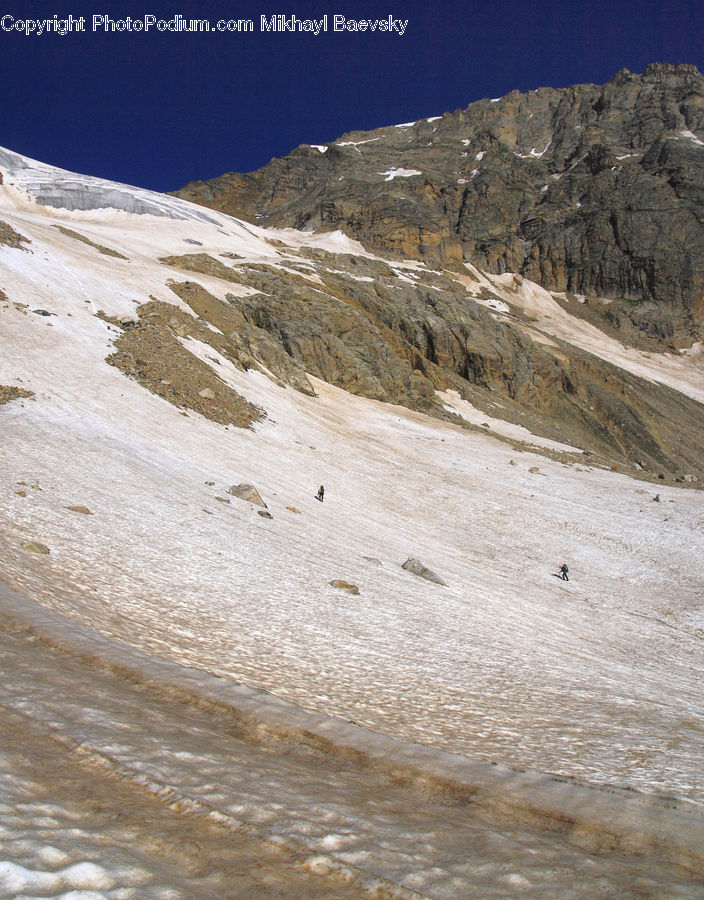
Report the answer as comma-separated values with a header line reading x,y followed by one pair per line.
x,y
563,572
321,493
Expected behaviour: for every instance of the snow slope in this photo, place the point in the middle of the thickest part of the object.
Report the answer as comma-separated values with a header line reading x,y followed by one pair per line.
x,y
597,679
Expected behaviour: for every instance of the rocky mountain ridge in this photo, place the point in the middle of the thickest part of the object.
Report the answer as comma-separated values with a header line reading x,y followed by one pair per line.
x,y
593,190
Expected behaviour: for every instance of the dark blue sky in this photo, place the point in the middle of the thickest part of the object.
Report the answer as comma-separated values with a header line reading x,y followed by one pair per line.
x,y
159,109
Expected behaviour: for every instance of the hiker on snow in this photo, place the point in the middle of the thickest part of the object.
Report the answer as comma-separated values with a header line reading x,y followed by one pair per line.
x,y
320,494
563,572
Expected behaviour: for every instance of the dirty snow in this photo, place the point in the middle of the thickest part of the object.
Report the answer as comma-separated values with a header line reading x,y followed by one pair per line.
x,y
453,402
597,679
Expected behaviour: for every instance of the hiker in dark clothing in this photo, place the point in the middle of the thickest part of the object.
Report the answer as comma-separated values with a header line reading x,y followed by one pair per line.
x,y
563,572
321,493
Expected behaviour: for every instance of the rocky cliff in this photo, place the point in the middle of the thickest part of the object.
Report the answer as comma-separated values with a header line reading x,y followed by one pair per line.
x,y
594,190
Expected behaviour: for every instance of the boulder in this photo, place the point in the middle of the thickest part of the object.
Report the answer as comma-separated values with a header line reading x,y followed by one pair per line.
x,y
36,547
345,586
247,492
416,567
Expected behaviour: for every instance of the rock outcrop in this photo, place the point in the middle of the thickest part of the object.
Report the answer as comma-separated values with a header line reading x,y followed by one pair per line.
x,y
10,392
149,350
36,547
11,238
365,326
345,586
247,492
416,567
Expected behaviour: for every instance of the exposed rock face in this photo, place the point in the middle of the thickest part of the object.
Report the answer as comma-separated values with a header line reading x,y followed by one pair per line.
x,y
106,251
355,323
36,547
597,190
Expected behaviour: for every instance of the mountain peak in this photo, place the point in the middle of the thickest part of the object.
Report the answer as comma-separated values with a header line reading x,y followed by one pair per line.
x,y
594,190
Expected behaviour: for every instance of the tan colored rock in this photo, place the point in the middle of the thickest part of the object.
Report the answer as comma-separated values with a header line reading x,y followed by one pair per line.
x,y
345,586
247,492
9,392
36,547
106,251
152,354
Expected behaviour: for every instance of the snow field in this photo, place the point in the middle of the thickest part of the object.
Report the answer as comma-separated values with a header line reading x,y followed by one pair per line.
x,y
596,679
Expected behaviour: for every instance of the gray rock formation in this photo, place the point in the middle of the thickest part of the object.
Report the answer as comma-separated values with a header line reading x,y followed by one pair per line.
x,y
416,567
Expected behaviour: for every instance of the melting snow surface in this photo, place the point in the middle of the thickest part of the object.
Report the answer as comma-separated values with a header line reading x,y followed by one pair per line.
x,y
596,679
454,403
